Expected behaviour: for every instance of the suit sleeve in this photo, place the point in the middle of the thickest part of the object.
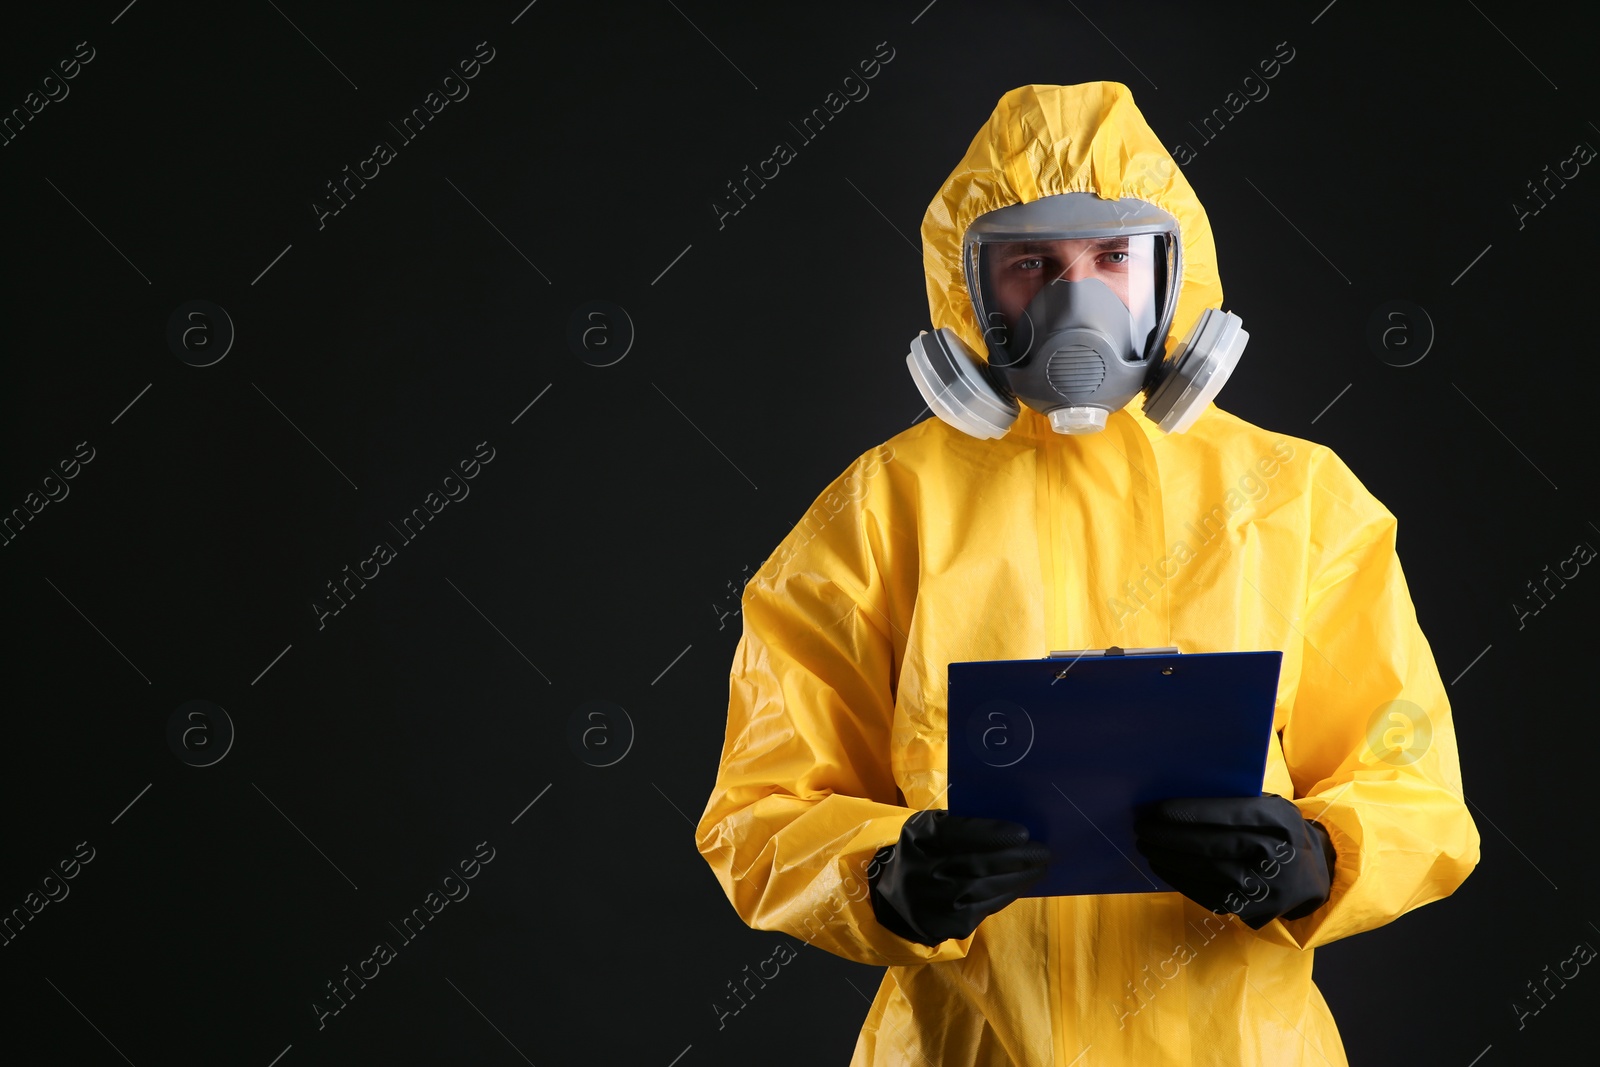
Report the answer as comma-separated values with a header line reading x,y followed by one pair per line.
x,y
804,793
1369,742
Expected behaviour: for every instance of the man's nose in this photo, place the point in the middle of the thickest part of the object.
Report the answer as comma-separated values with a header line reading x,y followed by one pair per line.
x,y
1079,269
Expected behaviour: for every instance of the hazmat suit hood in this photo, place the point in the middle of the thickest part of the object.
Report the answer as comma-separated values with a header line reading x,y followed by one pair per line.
x,y
1042,140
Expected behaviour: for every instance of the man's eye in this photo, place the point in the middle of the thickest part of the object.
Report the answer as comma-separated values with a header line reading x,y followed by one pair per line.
x,y
1118,262
1031,263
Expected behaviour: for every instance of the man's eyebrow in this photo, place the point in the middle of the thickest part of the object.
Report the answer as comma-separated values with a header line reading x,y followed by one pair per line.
x,y
1020,247
1034,247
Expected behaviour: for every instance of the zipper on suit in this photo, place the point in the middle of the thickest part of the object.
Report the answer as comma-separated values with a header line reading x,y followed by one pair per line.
x,y
1047,498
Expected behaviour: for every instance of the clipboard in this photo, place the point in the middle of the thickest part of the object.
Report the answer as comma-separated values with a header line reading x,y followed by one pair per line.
x,y
1068,745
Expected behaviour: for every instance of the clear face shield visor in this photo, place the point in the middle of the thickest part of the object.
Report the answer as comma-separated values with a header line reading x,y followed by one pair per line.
x,y
1042,273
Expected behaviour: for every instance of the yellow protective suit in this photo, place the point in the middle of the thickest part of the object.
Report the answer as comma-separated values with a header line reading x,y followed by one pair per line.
x,y
938,547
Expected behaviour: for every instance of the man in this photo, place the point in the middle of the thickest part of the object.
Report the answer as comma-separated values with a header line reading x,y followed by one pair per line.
x,y
1073,520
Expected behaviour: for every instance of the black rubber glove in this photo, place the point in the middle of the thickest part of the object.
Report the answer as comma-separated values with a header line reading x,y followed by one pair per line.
x,y
1257,857
949,872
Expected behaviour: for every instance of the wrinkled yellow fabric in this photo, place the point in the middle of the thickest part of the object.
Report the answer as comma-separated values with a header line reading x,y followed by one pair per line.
x,y
938,547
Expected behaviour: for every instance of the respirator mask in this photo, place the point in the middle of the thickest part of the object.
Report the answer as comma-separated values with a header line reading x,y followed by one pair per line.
x,y
1076,295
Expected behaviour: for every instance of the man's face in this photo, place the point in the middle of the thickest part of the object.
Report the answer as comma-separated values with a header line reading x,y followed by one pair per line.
x,y
1018,270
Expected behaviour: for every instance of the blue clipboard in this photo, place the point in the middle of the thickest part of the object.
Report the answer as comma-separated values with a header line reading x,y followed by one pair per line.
x,y
1070,744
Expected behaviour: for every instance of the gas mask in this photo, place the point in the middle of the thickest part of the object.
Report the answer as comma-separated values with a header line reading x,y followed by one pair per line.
x,y
1076,295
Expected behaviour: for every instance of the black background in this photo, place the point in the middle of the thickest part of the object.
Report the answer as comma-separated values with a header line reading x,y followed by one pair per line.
x,y
604,544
